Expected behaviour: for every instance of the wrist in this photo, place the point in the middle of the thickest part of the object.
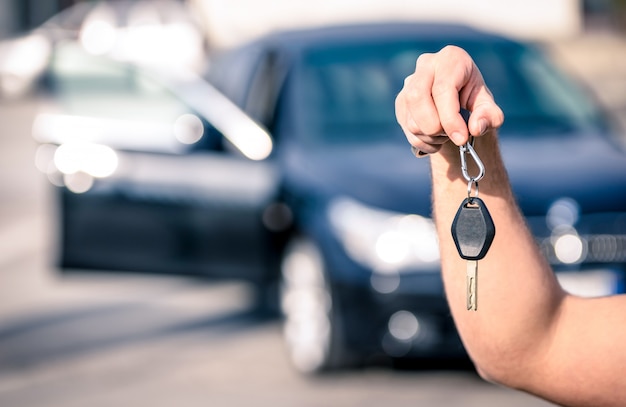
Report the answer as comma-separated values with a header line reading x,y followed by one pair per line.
x,y
447,173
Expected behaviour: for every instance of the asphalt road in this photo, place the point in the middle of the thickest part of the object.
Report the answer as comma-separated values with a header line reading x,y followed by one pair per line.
x,y
102,340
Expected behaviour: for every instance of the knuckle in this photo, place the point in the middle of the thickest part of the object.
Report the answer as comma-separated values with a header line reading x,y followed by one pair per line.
x,y
453,51
442,87
499,117
412,127
424,58
408,80
431,127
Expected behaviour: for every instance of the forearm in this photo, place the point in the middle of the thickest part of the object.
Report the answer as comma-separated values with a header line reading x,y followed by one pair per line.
x,y
527,333
518,295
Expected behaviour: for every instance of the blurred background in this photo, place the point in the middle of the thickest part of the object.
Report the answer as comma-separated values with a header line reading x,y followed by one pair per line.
x,y
101,338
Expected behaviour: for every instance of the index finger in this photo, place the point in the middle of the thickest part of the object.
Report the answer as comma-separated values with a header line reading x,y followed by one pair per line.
x,y
446,98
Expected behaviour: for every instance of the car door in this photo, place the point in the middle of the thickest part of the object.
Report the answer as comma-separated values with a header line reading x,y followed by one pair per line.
x,y
187,194
187,214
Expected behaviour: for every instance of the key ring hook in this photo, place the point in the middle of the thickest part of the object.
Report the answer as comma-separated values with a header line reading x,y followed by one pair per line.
x,y
464,150
471,183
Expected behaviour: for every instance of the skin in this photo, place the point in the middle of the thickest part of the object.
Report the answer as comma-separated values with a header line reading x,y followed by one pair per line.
x,y
528,333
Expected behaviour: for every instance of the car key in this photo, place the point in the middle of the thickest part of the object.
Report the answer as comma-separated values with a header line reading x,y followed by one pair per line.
x,y
473,231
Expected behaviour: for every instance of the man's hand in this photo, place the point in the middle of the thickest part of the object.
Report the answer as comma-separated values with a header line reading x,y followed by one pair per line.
x,y
428,107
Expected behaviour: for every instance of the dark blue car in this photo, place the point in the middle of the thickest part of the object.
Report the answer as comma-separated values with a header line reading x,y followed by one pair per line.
x,y
318,199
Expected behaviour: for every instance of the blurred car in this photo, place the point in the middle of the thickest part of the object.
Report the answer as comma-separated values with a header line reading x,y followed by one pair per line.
x,y
163,32
285,167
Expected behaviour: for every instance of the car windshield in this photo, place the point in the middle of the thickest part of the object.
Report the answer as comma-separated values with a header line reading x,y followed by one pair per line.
x,y
346,93
112,102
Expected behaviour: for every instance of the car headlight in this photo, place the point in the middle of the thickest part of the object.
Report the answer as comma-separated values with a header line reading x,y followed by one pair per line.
x,y
97,160
76,164
384,241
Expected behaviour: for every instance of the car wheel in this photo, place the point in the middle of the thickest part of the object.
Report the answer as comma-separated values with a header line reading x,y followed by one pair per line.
x,y
312,324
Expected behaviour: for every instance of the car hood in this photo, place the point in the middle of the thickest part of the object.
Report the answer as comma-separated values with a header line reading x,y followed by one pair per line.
x,y
385,176
589,170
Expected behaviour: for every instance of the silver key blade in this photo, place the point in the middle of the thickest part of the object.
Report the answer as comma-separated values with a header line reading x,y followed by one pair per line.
x,y
472,271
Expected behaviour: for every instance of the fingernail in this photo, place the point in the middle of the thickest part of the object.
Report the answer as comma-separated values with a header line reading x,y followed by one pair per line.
x,y
482,126
417,152
457,138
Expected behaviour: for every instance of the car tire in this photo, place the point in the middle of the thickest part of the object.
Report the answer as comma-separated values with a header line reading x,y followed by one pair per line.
x,y
313,328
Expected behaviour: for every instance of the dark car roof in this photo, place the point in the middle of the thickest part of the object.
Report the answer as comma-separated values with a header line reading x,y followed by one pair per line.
x,y
307,37
233,69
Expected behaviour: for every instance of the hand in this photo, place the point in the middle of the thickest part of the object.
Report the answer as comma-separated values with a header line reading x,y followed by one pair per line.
x,y
428,106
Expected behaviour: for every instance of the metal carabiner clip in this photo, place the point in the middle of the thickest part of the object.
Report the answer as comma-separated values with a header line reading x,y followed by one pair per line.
x,y
469,148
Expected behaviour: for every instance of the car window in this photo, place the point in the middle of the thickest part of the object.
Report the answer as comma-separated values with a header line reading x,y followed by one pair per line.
x,y
231,72
534,96
346,93
126,108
